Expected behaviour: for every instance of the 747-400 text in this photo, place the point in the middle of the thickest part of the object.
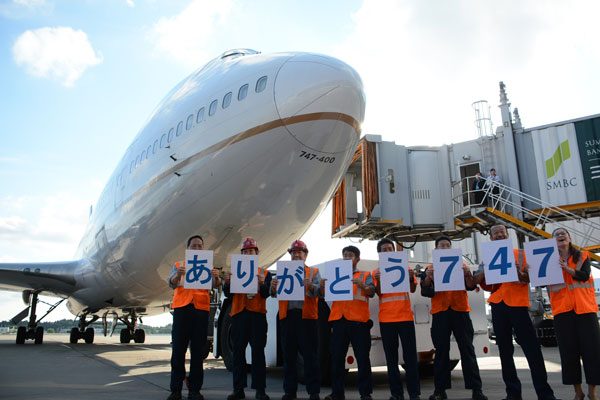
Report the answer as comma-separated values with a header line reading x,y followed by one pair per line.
x,y
315,157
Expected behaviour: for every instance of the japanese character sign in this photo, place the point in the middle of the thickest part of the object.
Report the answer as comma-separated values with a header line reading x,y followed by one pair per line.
x,y
499,262
544,265
198,269
290,280
393,269
244,273
448,272
338,285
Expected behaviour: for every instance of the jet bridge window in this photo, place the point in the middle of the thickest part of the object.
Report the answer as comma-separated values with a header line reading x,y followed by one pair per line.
x,y
243,92
179,128
226,100
213,108
261,84
189,122
200,115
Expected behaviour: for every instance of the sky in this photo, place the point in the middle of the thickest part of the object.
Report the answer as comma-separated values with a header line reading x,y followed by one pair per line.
x,y
78,80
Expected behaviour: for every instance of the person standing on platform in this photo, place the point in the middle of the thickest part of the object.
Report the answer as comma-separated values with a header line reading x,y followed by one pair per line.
x,y
351,324
300,329
575,317
396,319
190,326
492,181
478,188
450,311
509,303
249,326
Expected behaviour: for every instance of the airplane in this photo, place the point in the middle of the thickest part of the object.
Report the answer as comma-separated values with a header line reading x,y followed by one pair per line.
x,y
249,145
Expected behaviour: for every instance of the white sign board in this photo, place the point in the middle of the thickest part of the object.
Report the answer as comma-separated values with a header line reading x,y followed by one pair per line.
x,y
198,269
499,262
290,280
393,269
448,272
244,273
338,284
544,263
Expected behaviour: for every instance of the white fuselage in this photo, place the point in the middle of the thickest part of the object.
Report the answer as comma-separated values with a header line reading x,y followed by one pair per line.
x,y
264,165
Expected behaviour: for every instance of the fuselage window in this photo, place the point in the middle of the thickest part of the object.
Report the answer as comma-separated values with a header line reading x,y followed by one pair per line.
x,y
189,122
131,166
170,136
261,84
155,146
148,151
163,140
143,157
226,100
243,92
213,108
179,128
137,161
200,115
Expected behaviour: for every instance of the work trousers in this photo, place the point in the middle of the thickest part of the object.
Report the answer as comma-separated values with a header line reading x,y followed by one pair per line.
x,y
457,323
249,327
390,332
189,328
300,335
505,320
358,334
578,337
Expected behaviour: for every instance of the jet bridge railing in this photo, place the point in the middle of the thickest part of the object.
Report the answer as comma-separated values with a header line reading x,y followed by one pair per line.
x,y
499,197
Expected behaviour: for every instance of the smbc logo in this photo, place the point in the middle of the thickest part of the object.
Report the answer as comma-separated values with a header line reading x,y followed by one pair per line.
x,y
562,154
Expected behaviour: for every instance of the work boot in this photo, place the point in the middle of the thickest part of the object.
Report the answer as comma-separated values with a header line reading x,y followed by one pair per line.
x,y
289,396
438,396
174,396
261,395
334,397
237,395
478,395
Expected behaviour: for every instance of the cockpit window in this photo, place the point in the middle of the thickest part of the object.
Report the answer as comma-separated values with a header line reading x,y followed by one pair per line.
x,y
261,84
243,92
226,100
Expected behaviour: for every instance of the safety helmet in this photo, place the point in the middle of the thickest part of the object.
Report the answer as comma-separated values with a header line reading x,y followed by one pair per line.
x,y
298,245
249,243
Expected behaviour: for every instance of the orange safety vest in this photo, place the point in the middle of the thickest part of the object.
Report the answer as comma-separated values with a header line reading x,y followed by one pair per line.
x,y
573,295
353,310
513,294
310,307
394,307
199,297
255,304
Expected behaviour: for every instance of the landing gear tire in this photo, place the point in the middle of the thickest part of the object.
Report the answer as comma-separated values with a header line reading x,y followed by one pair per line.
x,y
226,340
21,333
139,336
125,336
39,335
88,335
74,336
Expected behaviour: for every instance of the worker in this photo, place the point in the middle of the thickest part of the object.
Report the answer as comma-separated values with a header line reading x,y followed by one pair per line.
x,y
351,324
300,329
575,317
450,310
190,326
509,303
249,325
396,319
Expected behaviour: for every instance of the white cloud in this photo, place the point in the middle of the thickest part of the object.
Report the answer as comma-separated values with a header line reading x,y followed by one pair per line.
x,y
60,53
186,36
30,3
130,3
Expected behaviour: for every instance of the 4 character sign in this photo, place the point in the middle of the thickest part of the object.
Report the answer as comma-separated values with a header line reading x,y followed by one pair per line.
x,y
393,269
244,273
290,280
338,280
198,269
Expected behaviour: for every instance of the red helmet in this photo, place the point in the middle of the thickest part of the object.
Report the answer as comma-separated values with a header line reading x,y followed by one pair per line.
x,y
249,243
298,245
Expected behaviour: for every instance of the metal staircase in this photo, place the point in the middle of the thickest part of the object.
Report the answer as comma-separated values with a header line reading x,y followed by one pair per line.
x,y
505,205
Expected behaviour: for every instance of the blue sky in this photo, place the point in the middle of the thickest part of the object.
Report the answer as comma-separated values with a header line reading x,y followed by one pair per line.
x,y
78,79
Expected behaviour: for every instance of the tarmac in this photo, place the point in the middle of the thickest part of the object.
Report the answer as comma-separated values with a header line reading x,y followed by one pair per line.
x,y
108,370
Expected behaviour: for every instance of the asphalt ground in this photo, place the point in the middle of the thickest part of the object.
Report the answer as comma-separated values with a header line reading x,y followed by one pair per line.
x,y
108,370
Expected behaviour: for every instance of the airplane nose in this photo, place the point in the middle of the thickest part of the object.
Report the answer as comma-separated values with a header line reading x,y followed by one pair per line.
x,y
319,98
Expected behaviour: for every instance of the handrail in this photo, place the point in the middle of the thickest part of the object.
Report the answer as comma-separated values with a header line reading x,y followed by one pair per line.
x,y
498,196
